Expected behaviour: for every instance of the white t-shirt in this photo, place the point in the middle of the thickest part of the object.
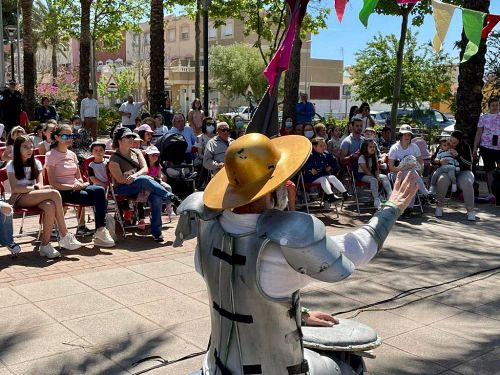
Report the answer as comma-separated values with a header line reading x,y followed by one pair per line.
x,y
27,172
362,160
133,109
397,152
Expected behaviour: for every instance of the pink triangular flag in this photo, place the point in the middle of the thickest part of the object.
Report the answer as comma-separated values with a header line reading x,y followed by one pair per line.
x,y
339,8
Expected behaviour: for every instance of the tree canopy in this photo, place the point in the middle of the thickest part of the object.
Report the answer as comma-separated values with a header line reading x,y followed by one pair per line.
x,y
426,75
233,68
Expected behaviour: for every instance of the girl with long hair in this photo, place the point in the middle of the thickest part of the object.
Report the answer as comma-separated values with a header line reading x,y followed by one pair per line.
x,y
28,191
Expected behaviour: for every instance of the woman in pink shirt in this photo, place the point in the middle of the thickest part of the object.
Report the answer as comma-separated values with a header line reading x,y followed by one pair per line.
x,y
487,134
64,175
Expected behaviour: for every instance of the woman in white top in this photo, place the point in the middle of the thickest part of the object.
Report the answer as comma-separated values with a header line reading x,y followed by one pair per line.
x,y
28,191
48,129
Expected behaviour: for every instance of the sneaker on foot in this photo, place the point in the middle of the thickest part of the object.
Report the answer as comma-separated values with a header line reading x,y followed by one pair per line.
x,y
69,242
453,188
141,225
471,216
49,252
431,198
346,195
14,248
438,212
377,204
102,238
158,237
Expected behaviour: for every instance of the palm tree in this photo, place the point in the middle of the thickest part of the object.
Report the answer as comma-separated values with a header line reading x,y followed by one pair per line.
x,y
85,42
157,56
29,58
470,80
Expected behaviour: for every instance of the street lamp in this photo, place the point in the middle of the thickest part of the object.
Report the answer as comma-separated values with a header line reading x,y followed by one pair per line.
x,y
206,4
11,33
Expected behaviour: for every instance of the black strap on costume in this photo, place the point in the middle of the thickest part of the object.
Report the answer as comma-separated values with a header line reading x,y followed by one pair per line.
x,y
301,368
240,318
234,259
223,369
252,370
247,370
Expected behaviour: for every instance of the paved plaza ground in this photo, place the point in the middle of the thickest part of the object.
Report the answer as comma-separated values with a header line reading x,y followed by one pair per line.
x,y
97,311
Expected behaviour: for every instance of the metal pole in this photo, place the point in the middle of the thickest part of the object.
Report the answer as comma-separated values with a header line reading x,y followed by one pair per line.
x,y
2,61
205,55
12,67
18,47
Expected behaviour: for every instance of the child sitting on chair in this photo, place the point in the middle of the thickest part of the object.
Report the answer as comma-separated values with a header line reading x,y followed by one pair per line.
x,y
447,165
98,172
319,169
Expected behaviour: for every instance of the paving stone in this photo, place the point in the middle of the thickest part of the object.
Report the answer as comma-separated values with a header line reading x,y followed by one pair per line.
x,y
74,362
110,278
161,269
181,368
491,310
437,346
19,317
36,342
175,310
109,326
393,361
51,289
473,327
139,293
79,305
186,283
8,297
197,331
426,311
5,371
200,296
487,364
161,343
469,296
328,301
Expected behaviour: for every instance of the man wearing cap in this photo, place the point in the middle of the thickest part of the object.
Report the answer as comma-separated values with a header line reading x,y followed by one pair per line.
x,y
12,104
129,111
215,150
255,259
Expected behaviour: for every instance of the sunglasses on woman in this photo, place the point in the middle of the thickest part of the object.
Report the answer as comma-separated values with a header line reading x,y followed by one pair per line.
x,y
67,137
224,130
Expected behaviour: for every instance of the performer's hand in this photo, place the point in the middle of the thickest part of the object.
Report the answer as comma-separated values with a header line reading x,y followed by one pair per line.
x,y
319,319
404,190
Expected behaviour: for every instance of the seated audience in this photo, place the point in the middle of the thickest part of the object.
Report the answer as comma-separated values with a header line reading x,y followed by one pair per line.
x,y
64,175
15,132
333,144
37,136
288,128
146,134
98,168
215,150
451,167
309,131
320,131
81,140
207,133
349,148
28,191
44,146
385,141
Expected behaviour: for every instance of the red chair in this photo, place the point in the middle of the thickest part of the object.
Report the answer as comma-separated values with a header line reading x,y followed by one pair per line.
x,y
308,196
2,150
3,177
355,185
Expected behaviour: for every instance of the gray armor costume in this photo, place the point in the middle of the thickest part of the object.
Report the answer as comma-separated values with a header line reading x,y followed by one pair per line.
x,y
253,333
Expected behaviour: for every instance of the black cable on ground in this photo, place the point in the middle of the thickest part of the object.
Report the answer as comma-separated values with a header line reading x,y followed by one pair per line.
x,y
162,361
412,291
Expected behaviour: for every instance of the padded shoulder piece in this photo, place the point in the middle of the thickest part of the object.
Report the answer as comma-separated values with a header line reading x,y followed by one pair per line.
x,y
304,243
290,228
190,210
194,203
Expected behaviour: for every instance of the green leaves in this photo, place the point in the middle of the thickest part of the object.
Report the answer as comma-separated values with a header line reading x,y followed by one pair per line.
x,y
426,75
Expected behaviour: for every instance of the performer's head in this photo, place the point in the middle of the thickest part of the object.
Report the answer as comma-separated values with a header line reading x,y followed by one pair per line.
x,y
254,167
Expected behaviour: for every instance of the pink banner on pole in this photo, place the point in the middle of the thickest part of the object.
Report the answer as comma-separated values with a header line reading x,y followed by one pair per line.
x,y
340,8
281,58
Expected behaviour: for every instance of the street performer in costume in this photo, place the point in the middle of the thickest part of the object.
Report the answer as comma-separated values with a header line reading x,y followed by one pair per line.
x,y
255,258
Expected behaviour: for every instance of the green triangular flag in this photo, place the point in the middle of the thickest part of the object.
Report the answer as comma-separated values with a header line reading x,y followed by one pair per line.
x,y
473,26
368,8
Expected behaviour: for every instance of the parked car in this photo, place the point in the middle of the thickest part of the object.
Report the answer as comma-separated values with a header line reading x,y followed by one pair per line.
x,y
380,117
428,117
446,132
242,111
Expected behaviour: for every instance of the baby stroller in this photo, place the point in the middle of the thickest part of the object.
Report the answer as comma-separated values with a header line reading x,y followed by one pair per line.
x,y
179,171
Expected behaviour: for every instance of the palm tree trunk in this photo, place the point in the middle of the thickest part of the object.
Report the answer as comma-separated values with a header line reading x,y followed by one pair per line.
x,y
197,36
292,80
29,59
54,43
84,49
399,67
470,80
157,57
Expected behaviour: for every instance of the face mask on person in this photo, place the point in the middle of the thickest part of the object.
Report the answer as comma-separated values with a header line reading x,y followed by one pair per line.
x,y
210,128
77,127
239,124
309,133
289,124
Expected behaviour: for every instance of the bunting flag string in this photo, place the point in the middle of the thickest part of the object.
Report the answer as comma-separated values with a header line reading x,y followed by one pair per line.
x,y
400,2
491,22
442,14
473,28
368,8
340,8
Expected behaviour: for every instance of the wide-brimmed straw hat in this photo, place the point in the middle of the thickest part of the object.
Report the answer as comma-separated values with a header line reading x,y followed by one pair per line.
x,y
255,165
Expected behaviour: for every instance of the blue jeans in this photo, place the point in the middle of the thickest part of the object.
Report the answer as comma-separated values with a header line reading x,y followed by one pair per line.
x,y
92,195
6,230
158,194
